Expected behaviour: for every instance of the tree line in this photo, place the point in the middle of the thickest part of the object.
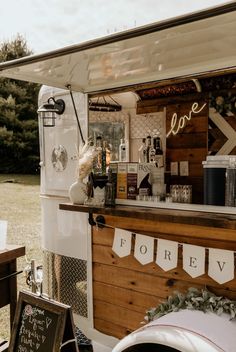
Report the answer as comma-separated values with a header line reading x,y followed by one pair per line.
x,y
19,140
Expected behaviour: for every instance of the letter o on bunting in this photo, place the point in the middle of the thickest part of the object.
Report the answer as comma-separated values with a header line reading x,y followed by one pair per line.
x,y
144,249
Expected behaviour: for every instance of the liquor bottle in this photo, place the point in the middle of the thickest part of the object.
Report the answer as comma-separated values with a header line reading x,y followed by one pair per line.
x,y
98,160
152,152
108,156
122,151
159,159
142,152
110,190
149,143
104,157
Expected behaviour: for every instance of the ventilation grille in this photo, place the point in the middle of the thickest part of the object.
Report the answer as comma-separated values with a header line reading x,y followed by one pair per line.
x,y
65,280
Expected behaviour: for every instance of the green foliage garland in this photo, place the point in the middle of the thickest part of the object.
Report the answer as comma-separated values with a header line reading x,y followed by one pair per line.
x,y
224,104
194,299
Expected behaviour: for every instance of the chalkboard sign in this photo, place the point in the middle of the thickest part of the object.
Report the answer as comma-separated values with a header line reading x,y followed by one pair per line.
x,y
42,325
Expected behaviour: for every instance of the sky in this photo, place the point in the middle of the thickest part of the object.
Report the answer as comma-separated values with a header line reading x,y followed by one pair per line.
x,y
51,24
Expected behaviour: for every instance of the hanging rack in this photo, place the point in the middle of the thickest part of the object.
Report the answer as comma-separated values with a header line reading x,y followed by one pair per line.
x,y
101,104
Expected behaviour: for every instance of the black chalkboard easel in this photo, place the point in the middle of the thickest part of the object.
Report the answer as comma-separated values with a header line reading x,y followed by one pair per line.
x,y
42,325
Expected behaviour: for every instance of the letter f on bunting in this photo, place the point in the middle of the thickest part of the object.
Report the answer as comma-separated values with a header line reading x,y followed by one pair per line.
x,y
122,242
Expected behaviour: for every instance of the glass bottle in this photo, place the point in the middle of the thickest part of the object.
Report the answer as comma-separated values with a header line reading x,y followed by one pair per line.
x,y
98,160
122,151
159,158
108,156
110,190
104,157
142,152
152,152
149,144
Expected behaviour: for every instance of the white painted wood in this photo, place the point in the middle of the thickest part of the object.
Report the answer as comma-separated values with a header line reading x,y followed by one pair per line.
x,y
226,129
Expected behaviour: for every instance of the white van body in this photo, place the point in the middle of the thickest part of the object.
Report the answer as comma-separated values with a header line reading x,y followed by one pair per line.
x,y
175,50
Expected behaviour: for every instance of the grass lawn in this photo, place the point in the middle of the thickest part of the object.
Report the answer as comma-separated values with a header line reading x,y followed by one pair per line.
x,y
20,206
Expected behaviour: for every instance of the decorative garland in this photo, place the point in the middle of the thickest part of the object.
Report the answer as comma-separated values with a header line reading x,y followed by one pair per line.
x,y
224,104
194,299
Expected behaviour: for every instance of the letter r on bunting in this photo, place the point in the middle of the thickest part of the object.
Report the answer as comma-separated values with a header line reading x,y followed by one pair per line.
x,y
167,254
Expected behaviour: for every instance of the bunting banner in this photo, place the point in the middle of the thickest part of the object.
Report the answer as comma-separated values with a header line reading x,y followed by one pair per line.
x,y
122,242
221,265
220,261
144,249
167,254
194,260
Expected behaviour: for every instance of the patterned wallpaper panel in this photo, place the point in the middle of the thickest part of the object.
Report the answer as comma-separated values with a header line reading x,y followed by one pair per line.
x,y
143,125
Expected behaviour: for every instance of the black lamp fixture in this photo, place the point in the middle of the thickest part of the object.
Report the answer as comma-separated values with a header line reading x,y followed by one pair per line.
x,y
101,104
49,111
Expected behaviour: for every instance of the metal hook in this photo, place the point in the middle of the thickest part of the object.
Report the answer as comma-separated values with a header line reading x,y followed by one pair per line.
x,y
90,219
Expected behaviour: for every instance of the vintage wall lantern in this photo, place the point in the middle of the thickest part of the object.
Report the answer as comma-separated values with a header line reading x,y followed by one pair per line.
x,y
49,111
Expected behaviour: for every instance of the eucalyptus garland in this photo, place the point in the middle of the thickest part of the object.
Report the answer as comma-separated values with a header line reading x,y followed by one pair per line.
x,y
194,299
225,104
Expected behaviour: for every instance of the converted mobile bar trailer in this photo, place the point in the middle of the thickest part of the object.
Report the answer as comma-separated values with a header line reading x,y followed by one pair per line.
x,y
153,72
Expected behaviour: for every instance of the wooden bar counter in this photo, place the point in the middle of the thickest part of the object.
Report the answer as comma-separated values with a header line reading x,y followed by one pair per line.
x,y
123,289
8,273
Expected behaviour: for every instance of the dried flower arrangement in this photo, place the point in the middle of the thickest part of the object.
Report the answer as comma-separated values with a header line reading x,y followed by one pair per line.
x,y
86,157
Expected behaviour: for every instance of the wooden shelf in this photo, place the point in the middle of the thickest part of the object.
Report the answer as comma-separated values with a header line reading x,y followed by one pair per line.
x,y
190,217
11,253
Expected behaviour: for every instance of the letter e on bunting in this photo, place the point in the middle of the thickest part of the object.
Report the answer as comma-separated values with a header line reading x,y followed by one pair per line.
x,y
221,265
194,260
144,249
122,242
167,254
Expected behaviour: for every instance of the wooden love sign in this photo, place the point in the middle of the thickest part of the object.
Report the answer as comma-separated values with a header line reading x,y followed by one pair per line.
x,y
42,325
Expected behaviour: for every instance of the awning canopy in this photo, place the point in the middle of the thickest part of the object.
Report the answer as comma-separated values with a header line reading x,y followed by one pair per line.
x,y
185,46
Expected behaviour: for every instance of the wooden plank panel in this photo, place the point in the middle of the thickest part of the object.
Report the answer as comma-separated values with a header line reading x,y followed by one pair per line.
x,y
161,227
108,328
174,277
124,288
190,143
152,105
193,155
117,315
196,171
138,281
185,140
198,125
103,236
136,301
